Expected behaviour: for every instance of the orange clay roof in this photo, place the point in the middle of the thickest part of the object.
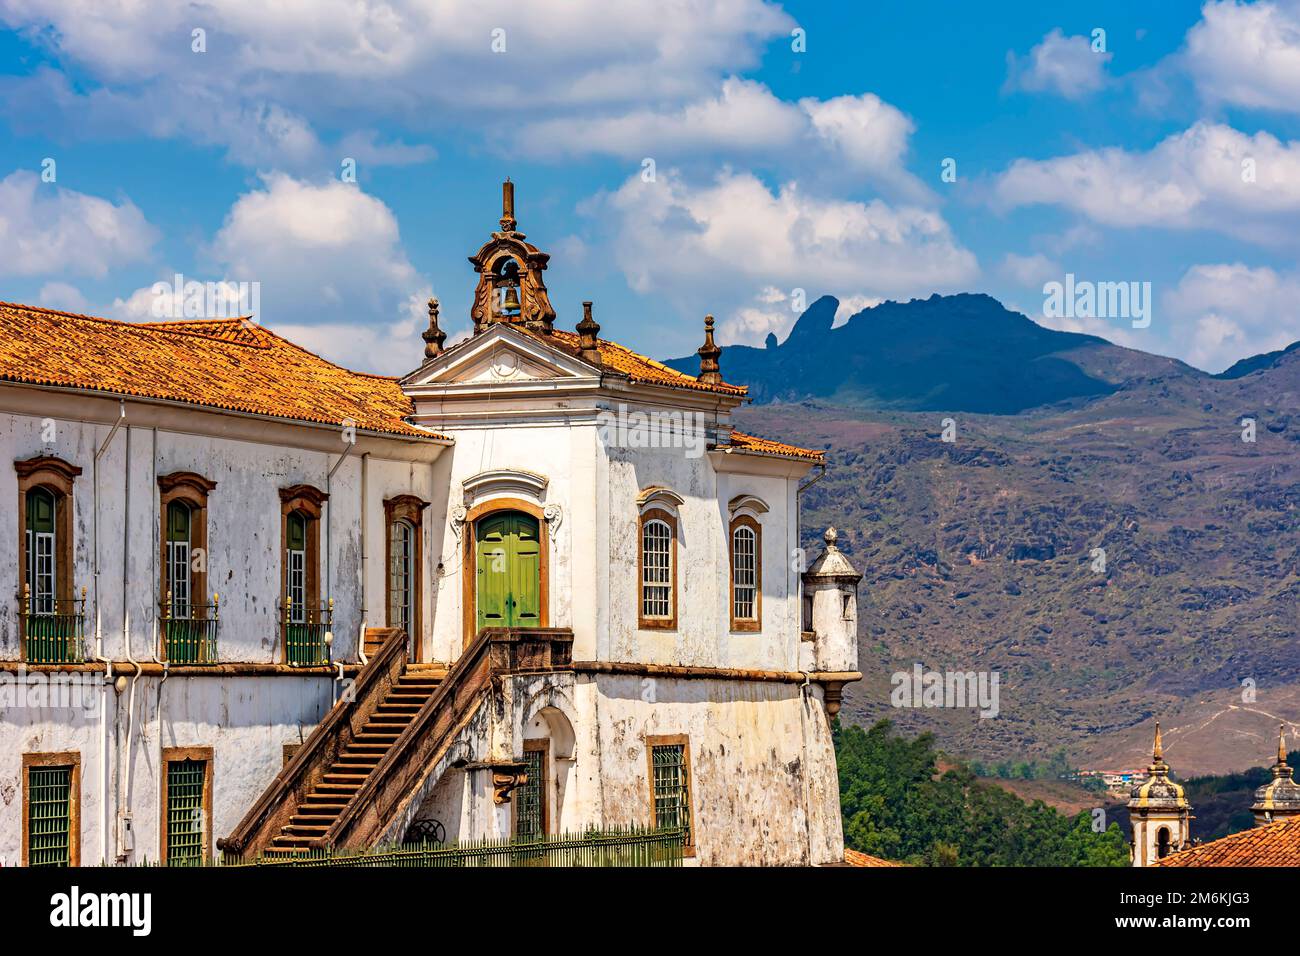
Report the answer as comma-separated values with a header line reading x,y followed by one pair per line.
x,y
222,363
637,367
1276,844
764,447
854,858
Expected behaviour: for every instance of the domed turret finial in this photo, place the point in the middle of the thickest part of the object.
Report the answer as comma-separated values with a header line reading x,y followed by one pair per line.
x,y
433,336
1281,744
1158,751
709,354
831,536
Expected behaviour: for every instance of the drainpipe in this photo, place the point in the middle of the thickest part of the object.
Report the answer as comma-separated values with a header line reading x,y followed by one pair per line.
x,y
99,636
123,808
166,665
361,636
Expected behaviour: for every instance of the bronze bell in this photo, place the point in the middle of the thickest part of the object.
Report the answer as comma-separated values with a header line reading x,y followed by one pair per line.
x,y
510,304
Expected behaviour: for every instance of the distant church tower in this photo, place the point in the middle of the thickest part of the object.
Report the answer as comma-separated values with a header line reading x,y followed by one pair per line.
x,y
1159,812
1278,799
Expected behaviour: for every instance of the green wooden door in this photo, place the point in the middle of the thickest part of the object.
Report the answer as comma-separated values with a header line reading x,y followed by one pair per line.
x,y
508,559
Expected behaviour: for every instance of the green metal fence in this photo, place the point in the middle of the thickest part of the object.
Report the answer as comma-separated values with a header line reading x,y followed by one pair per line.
x,y
633,847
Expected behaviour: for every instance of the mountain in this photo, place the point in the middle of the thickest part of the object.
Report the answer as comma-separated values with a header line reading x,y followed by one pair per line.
x,y
1257,363
955,353
981,554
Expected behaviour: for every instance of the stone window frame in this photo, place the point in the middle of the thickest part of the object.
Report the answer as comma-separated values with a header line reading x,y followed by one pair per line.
x,y
172,755
754,624
57,477
673,740
191,489
307,501
645,622
66,758
408,508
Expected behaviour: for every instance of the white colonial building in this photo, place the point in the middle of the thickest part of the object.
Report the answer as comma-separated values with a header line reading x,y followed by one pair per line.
x,y
263,604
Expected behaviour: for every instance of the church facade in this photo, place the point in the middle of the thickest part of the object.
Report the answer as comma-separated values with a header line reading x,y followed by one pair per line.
x,y
264,605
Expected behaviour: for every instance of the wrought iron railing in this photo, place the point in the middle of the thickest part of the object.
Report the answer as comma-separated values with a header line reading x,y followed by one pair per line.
x,y
306,633
632,846
189,634
53,630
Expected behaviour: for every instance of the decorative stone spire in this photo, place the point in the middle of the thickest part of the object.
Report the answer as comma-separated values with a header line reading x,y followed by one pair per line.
x,y
433,336
508,223
1280,798
1158,811
587,332
709,354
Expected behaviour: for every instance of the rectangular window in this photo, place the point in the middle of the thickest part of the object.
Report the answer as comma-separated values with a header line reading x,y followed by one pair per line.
x,y
530,811
186,805
51,793
657,571
746,574
670,785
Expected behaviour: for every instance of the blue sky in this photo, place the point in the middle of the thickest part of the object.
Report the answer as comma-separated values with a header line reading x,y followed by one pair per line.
x,y
1115,157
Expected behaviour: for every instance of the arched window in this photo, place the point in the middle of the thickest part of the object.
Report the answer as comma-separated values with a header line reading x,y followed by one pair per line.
x,y
295,566
52,616
403,516
746,574
41,551
178,558
657,570
401,574
1162,843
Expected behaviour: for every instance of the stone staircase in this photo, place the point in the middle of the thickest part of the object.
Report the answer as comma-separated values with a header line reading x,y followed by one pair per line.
x,y
320,808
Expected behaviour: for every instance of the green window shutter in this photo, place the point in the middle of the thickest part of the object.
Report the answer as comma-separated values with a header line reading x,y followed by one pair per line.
x,y
49,816
185,821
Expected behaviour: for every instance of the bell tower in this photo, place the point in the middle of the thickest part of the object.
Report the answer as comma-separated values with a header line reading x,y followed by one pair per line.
x,y
510,287
1159,812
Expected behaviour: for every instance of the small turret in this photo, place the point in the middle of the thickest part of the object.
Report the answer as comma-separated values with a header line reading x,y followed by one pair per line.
x,y
830,593
1159,812
1278,799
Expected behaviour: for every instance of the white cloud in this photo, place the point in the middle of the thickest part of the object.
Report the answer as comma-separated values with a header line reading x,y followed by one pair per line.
x,y
1226,311
46,229
736,240
330,270
418,61
1032,270
1193,179
1247,54
860,134
1060,64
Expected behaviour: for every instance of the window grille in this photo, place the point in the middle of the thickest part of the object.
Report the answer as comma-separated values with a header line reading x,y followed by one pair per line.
x,y
185,821
672,795
49,816
656,570
744,580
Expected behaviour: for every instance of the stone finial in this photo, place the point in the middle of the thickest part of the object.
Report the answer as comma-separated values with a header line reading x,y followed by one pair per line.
x,y
1281,745
433,336
709,354
1158,750
587,332
508,223
830,537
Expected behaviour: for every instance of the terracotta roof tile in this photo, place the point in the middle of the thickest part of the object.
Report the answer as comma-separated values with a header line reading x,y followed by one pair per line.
x,y
637,367
1276,844
855,858
225,363
764,447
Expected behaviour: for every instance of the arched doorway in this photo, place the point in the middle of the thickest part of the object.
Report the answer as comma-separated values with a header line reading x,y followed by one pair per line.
x,y
508,571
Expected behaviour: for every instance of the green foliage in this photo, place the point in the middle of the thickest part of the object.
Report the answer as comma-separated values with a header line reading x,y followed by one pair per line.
x,y
896,806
